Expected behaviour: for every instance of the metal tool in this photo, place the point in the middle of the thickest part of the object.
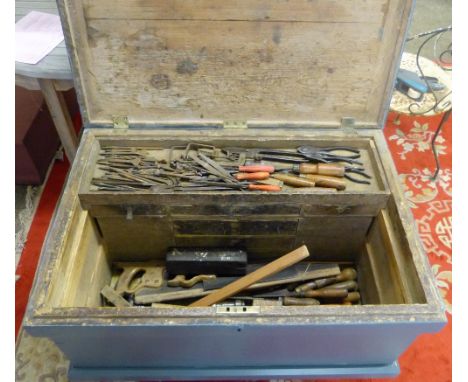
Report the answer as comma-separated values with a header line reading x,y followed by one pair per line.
x,y
333,169
301,155
134,169
328,154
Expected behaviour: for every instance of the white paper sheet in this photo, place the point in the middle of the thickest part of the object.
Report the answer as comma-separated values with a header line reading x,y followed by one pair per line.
x,y
37,34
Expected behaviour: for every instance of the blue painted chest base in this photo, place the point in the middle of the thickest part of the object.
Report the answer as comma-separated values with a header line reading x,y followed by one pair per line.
x,y
375,371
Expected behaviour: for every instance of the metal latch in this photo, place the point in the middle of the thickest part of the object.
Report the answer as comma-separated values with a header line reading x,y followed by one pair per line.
x,y
234,125
238,310
120,122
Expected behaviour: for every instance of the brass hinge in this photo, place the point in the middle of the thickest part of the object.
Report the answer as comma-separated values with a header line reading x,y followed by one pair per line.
x,y
348,124
120,122
235,125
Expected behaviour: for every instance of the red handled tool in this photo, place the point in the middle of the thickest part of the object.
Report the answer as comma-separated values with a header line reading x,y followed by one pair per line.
x,y
263,187
257,168
252,175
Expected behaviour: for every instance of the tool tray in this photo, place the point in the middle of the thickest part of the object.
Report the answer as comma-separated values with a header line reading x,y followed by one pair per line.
x,y
261,73
267,223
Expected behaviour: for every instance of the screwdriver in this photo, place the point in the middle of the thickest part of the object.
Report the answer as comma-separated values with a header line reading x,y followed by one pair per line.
x,y
257,168
260,175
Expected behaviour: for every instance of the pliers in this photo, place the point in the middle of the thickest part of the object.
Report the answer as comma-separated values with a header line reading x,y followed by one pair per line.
x,y
302,154
356,170
327,155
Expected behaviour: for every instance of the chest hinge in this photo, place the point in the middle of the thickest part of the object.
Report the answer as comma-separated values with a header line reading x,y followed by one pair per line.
x,y
348,124
235,125
120,122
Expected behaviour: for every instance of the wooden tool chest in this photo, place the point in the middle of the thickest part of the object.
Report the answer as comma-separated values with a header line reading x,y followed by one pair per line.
x,y
273,74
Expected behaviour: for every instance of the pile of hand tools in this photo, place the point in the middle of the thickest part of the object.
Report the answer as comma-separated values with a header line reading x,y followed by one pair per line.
x,y
206,277
201,167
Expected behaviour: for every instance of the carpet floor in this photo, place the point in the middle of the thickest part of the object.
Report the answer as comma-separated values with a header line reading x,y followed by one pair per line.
x,y
428,359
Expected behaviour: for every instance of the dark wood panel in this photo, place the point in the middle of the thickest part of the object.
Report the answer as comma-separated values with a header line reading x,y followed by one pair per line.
x,y
202,226
140,238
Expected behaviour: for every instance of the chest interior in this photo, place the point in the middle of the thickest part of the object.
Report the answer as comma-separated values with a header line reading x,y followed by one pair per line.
x,y
358,227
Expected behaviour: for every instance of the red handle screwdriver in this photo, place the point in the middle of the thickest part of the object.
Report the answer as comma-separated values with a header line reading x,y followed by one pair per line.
x,y
257,168
264,187
252,175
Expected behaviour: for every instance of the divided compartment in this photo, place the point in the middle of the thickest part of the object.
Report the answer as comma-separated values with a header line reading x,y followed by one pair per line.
x,y
386,272
348,227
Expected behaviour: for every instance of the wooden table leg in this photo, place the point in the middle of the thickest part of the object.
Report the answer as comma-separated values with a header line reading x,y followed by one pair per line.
x,y
60,116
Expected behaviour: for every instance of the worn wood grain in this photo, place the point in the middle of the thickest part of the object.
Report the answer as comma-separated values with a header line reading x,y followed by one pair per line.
x,y
381,260
297,62
351,11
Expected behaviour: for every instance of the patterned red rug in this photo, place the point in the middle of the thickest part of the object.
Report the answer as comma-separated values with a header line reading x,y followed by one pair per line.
x,y
429,359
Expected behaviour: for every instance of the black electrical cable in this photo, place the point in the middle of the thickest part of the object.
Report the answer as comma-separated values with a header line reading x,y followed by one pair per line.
x,y
437,102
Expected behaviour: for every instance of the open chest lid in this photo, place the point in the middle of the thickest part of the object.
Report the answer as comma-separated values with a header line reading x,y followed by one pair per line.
x,y
297,63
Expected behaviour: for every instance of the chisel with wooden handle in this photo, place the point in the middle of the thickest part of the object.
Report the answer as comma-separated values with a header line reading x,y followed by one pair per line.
x,y
331,169
293,180
347,274
326,181
321,293
348,285
326,293
292,301
353,297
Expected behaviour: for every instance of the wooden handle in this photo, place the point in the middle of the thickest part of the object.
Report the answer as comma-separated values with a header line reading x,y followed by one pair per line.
x,y
347,274
331,169
348,285
244,282
292,301
252,175
320,283
352,297
264,187
293,180
326,293
326,181
257,168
